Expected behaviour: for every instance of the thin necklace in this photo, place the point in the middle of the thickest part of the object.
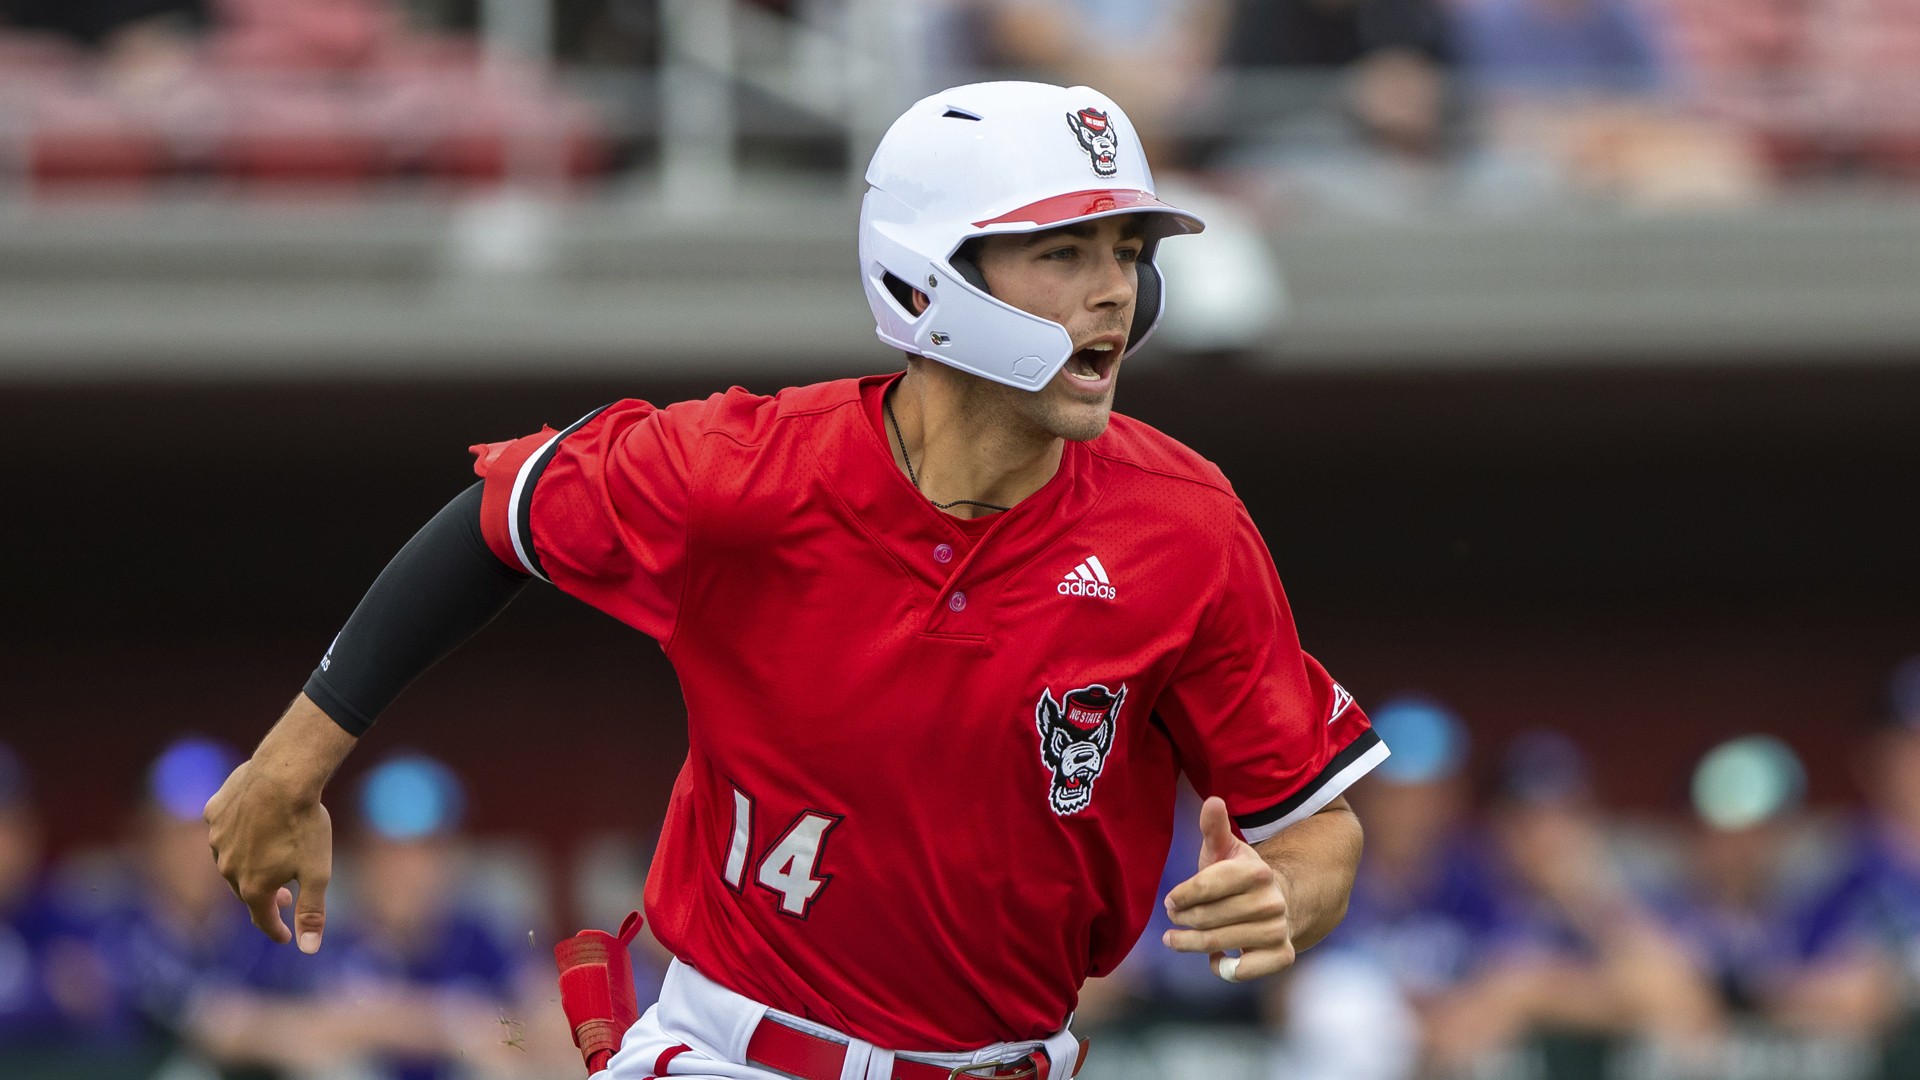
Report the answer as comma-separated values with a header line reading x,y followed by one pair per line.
x,y
887,401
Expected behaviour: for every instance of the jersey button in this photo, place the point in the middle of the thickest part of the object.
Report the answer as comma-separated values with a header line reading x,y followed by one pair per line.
x,y
943,553
957,601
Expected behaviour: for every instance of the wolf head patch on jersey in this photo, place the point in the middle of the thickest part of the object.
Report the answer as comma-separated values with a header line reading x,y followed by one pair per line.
x,y
1095,131
1075,734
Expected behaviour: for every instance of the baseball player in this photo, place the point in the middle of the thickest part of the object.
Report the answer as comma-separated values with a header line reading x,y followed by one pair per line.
x,y
946,637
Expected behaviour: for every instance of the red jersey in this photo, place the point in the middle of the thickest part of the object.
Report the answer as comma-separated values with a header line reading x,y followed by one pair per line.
x,y
930,778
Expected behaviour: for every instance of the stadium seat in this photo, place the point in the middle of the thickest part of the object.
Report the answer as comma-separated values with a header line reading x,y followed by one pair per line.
x,y
86,137
304,131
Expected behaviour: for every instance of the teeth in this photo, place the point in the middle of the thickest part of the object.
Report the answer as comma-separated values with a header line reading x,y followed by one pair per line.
x,y
1084,369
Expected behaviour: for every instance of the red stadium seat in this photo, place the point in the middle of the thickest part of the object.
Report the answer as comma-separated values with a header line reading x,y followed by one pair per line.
x,y
303,131
82,137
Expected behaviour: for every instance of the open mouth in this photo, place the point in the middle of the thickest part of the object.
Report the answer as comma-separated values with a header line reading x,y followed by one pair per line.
x,y
1094,363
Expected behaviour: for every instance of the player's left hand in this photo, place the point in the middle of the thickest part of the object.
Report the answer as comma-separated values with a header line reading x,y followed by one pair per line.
x,y
1236,901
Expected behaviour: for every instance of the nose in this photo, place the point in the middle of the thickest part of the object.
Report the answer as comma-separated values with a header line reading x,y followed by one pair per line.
x,y
1116,285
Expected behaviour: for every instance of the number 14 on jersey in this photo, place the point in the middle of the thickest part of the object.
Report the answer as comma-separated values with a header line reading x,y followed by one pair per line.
x,y
790,867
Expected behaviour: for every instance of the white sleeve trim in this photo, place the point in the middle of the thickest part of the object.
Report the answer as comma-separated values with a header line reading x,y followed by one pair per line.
x,y
513,505
1335,784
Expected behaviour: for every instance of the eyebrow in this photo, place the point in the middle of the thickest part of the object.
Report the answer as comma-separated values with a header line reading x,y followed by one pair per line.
x,y
1084,230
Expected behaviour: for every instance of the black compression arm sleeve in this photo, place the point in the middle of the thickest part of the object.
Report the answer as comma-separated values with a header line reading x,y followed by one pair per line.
x,y
443,587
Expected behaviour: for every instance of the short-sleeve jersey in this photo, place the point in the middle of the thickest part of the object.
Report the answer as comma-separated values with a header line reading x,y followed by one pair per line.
x,y
931,768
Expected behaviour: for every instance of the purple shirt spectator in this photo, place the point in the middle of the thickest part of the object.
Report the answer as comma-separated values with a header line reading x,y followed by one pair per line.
x,y
1435,933
460,955
1559,45
1873,906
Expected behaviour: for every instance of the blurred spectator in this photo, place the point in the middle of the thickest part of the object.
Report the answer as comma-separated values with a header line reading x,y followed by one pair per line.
x,y
1736,922
1644,153
413,989
1559,44
406,939
1394,53
1149,56
417,985
1419,922
184,952
1577,90
1863,936
1341,105
56,995
1578,959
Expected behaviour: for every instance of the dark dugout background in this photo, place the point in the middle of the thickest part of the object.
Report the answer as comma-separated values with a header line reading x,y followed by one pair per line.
x,y
1649,560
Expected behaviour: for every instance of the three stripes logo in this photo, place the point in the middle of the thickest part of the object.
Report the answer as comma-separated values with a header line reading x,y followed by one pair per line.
x,y
1088,579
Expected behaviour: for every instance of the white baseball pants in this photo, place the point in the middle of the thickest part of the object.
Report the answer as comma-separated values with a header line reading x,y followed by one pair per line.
x,y
714,1025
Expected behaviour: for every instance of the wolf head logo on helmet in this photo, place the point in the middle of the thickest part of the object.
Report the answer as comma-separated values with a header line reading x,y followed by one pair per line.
x,y
1075,734
1098,139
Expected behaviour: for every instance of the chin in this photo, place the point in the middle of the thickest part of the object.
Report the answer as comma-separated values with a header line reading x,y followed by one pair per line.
x,y
1058,410
1078,421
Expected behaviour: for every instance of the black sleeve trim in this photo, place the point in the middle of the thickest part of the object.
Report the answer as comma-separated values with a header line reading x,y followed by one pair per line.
x,y
523,510
1354,751
442,587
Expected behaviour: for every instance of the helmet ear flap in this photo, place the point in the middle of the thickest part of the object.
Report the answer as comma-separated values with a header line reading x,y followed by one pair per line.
x,y
1146,296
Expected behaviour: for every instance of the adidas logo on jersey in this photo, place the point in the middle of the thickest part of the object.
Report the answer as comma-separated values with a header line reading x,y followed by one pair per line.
x,y
1088,579
1341,701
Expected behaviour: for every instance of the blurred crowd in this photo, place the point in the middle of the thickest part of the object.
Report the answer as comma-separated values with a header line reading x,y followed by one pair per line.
x,y
1372,106
138,962
128,92
1381,106
1522,931
1504,925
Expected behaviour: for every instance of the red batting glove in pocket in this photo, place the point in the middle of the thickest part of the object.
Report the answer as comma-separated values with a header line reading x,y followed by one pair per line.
x,y
596,989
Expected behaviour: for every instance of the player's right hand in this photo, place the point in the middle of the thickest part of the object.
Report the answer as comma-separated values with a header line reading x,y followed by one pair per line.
x,y
268,829
264,837
1236,901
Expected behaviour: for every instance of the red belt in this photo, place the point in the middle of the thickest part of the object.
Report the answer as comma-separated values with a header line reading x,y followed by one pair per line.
x,y
809,1057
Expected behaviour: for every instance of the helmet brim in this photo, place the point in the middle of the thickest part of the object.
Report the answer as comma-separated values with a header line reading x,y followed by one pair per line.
x,y
1088,205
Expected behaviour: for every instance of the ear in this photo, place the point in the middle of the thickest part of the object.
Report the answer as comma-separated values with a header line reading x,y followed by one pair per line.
x,y
1046,713
920,302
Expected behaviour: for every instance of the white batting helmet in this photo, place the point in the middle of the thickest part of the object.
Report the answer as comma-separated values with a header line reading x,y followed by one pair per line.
x,y
998,157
